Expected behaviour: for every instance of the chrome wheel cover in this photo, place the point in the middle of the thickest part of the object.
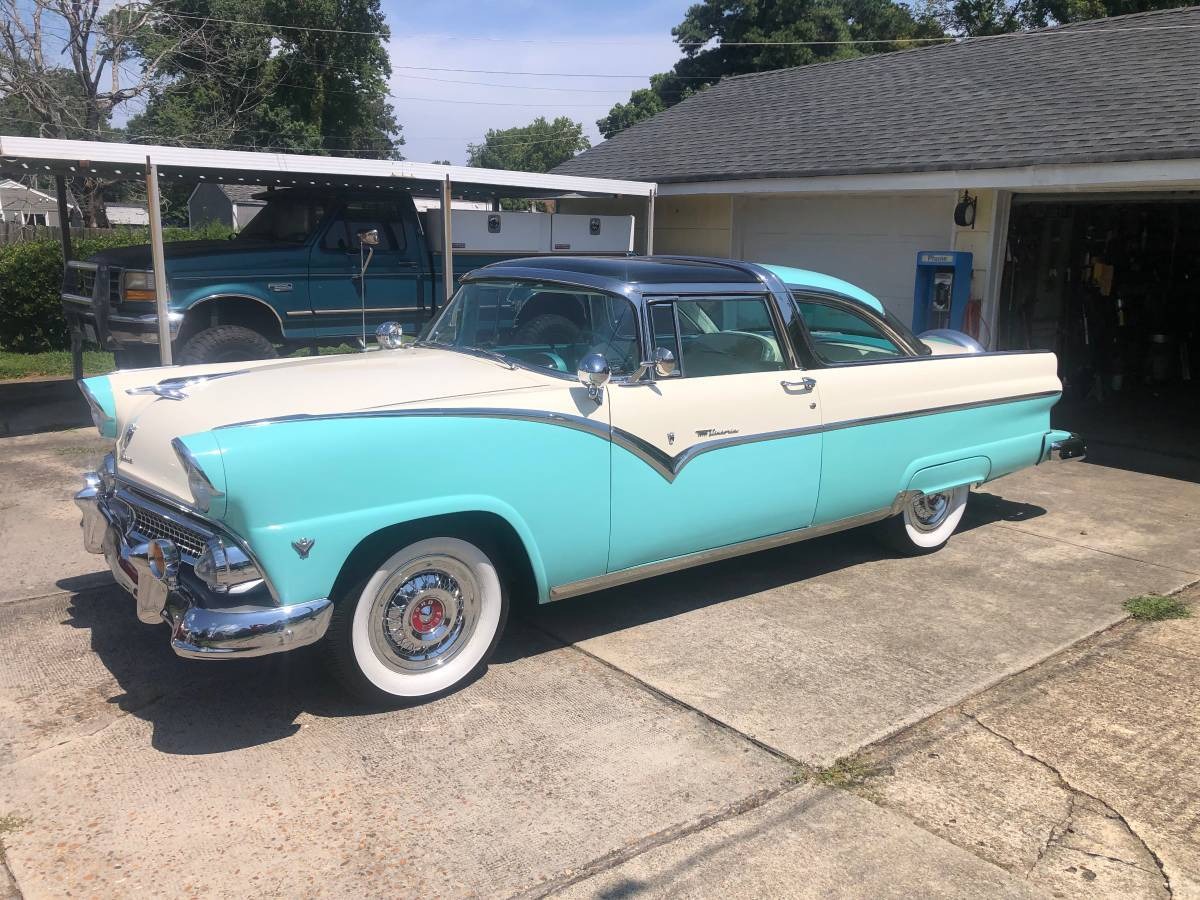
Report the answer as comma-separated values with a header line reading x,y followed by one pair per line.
x,y
424,613
927,512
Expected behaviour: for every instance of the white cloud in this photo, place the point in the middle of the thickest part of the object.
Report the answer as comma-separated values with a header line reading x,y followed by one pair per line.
x,y
442,130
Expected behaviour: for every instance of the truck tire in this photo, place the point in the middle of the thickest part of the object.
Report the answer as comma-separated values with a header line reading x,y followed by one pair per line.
x,y
225,343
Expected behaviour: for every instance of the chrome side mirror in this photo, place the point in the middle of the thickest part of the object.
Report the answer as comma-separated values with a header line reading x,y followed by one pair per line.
x,y
594,373
390,336
369,236
665,364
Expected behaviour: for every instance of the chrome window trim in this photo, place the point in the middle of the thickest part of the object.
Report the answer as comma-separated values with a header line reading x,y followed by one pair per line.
x,y
790,362
665,464
702,557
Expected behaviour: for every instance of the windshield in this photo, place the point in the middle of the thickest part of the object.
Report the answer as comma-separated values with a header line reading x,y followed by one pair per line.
x,y
539,324
288,220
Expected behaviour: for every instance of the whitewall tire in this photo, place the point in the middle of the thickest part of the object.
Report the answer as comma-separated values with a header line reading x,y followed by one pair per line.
x,y
926,522
426,621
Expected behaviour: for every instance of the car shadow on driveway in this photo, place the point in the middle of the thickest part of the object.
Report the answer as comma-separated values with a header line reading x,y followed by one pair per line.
x,y
200,707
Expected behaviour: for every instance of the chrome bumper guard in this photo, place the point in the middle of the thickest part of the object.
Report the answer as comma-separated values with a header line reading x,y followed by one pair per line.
x,y
205,624
1068,449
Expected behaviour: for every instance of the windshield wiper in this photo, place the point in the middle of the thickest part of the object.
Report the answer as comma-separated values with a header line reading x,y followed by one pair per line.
x,y
493,355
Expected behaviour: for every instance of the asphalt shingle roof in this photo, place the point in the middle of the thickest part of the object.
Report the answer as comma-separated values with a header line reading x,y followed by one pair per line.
x,y
240,193
1124,88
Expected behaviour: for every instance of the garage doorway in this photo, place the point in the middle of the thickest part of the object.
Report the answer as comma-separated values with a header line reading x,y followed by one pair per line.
x,y
1112,285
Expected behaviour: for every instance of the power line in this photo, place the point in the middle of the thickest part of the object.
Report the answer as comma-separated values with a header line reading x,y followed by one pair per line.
x,y
141,139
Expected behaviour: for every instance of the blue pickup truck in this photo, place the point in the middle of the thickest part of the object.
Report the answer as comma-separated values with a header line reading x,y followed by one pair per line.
x,y
290,278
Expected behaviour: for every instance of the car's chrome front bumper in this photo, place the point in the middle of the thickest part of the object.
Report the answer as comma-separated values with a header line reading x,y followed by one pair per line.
x,y
204,624
1062,446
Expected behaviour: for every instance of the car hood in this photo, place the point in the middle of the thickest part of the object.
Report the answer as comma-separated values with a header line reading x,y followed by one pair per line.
x,y
138,256
237,393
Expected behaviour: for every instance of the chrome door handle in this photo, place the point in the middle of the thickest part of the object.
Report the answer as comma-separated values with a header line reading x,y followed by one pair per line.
x,y
803,386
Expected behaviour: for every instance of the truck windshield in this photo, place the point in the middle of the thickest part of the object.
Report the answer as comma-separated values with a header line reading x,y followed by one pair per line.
x,y
290,221
539,324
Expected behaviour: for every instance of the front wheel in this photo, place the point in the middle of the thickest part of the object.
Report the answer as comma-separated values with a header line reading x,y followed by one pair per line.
x,y
426,621
926,522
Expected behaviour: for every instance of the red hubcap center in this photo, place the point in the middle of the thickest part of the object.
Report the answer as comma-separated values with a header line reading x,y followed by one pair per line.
x,y
427,616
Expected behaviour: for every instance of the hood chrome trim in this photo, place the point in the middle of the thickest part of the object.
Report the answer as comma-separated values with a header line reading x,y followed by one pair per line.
x,y
176,388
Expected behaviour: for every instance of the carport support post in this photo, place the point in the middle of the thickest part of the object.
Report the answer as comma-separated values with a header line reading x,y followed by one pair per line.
x,y
447,244
650,222
64,232
160,263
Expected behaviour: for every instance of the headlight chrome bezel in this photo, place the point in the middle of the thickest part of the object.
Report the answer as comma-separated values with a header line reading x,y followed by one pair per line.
x,y
199,484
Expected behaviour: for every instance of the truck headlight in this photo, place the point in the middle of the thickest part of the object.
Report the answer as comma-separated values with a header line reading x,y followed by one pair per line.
x,y
138,286
226,568
202,489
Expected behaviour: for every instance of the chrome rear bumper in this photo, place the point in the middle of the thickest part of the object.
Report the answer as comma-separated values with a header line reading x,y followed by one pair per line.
x,y
1056,448
204,624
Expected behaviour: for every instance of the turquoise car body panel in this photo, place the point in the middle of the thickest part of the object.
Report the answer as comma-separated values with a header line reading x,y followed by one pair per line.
x,y
208,455
360,475
803,279
857,477
723,497
609,509
101,391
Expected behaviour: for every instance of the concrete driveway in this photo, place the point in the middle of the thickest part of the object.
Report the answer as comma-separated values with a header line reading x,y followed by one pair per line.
x,y
672,737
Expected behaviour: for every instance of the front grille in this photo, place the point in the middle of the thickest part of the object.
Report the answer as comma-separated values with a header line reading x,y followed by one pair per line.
x,y
114,286
85,282
150,525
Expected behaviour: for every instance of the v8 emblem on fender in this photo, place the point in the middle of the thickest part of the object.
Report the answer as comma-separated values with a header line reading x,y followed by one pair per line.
x,y
302,546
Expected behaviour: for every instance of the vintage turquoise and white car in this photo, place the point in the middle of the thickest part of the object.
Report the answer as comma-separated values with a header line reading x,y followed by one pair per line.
x,y
655,413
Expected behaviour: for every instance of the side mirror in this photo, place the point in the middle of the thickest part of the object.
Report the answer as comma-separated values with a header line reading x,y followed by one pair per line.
x,y
390,336
369,236
594,373
665,364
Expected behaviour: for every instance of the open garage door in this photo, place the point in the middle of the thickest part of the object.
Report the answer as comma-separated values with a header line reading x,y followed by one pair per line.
x,y
1111,283
869,240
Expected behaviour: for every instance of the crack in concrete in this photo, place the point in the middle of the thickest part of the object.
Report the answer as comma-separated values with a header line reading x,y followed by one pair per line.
x,y
670,834
1057,830
1074,791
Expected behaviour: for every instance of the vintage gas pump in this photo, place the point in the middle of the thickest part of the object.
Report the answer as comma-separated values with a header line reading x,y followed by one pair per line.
x,y
943,290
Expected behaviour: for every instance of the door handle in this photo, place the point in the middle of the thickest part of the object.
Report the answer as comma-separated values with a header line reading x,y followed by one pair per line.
x,y
803,386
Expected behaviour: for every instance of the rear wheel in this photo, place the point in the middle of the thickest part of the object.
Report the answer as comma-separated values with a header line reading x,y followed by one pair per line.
x,y
225,343
425,622
926,522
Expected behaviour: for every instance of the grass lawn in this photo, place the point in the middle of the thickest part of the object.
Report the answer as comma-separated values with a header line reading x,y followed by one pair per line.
x,y
54,362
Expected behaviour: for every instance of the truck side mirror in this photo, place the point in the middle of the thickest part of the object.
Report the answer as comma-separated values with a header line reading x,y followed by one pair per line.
x,y
369,236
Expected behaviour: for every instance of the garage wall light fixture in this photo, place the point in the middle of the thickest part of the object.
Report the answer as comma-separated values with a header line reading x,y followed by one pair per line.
x,y
964,211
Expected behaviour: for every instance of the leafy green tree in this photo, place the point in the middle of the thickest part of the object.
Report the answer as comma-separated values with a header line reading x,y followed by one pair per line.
x,y
733,37
983,17
643,103
536,147
322,90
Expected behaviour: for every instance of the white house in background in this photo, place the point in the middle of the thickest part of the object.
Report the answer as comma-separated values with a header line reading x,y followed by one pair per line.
x,y
126,214
21,205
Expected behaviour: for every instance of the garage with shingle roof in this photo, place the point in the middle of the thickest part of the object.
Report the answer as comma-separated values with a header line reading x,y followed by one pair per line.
x,y
1065,161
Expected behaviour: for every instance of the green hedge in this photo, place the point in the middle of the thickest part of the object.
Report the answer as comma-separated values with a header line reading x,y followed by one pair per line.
x,y
31,318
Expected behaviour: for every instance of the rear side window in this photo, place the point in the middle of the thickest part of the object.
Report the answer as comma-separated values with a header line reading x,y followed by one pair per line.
x,y
842,336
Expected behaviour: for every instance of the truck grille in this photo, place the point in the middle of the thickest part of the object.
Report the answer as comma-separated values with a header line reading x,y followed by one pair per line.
x,y
150,524
85,282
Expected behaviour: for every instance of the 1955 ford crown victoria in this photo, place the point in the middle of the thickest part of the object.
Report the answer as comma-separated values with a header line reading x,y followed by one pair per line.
x,y
656,413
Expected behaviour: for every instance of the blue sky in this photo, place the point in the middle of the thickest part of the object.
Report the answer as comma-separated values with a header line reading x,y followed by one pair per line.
x,y
570,36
